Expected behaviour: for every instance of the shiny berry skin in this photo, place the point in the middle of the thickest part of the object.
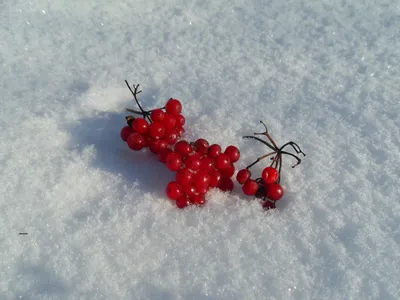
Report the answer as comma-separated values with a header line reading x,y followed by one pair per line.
x,y
226,184
157,130
180,120
174,161
222,161
184,176
192,161
172,136
183,148
214,150
173,106
181,130
163,154
125,132
233,153
228,172
201,189
270,175
140,125
215,177
250,187
267,205
243,175
169,122
174,190
207,164
182,201
156,146
201,180
274,191
148,140
190,190
201,146
198,199
157,115
135,141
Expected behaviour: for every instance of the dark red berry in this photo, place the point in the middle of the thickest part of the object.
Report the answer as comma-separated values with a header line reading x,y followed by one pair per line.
x,y
201,146
174,190
215,177
183,148
274,191
214,150
169,122
226,184
190,190
125,132
173,106
243,175
184,176
157,130
207,163
180,120
135,141
233,153
174,161
250,187
182,201
163,154
192,161
222,161
181,131
270,175
140,125
198,199
267,205
157,115
228,172
156,145
201,180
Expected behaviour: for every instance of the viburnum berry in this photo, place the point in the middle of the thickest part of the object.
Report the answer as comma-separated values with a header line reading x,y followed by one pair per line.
x,y
174,161
243,175
173,106
163,154
183,148
250,187
270,175
125,132
233,153
274,191
267,205
207,164
135,141
140,125
184,176
169,122
199,199
182,201
181,131
201,146
190,190
172,136
156,145
222,161
157,130
157,115
192,161
180,120
201,180
214,150
174,190
215,177
226,184
228,172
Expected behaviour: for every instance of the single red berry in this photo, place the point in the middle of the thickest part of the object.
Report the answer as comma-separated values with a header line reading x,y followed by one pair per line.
x,y
199,200
184,176
214,150
243,175
207,163
157,115
180,120
135,141
181,131
172,136
274,191
163,154
182,201
173,106
222,161
233,153
215,177
157,130
156,145
226,184
250,187
202,189
147,140
201,146
228,172
192,161
169,122
125,132
267,205
140,125
174,161
270,175
183,148
190,190
201,180
174,190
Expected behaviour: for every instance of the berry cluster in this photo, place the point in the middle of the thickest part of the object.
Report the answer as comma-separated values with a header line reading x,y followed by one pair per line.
x,y
267,187
199,167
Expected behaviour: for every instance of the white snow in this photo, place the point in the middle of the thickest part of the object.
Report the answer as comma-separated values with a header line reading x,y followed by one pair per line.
x,y
324,74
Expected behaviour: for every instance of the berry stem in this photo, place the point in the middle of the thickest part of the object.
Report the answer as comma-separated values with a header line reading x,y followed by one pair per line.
x,y
260,158
134,93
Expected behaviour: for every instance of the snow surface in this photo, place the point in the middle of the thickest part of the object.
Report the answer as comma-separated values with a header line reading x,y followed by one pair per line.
x,y
321,73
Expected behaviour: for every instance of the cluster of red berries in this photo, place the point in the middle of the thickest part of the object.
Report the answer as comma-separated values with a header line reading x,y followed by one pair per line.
x,y
199,167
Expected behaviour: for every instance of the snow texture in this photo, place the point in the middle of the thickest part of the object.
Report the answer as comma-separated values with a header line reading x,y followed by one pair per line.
x,y
321,73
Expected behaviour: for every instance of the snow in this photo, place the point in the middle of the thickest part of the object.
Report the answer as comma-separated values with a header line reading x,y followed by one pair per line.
x,y
321,73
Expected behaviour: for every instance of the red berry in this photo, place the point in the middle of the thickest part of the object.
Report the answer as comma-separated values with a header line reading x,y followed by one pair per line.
x,y
267,205
174,190
157,115
192,161
174,161
226,184
190,190
184,176
157,130
233,153
171,137
214,150
173,106
163,154
202,189
180,120
147,140
250,187
157,145
274,191
181,130
125,132
228,172
201,146
135,141
183,148
243,175
201,180
222,161
182,201
169,122
215,177
140,125
207,163
198,199
270,175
